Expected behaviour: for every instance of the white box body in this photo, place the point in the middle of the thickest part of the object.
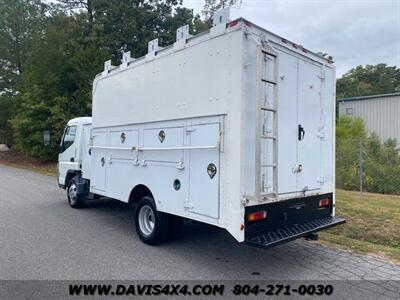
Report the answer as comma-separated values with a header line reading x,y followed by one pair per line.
x,y
169,115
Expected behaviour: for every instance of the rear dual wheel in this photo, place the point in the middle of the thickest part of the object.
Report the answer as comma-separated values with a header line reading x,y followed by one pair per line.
x,y
152,226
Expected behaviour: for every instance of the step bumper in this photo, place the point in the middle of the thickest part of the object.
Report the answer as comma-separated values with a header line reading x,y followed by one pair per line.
x,y
285,234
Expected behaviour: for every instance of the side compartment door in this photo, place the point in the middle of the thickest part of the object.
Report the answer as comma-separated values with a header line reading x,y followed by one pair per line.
x,y
98,161
310,118
204,169
123,165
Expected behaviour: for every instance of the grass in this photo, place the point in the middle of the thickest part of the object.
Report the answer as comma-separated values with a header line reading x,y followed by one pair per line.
x,y
373,220
373,224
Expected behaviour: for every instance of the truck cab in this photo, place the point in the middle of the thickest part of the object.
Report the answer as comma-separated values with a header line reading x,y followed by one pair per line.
x,y
70,151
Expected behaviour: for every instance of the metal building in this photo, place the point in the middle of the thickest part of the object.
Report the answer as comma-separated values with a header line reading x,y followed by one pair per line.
x,y
381,113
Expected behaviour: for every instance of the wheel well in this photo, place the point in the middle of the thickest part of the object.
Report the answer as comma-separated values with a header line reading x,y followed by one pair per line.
x,y
70,175
138,192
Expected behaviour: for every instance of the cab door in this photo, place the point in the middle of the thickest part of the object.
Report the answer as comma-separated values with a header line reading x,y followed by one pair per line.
x,y
67,157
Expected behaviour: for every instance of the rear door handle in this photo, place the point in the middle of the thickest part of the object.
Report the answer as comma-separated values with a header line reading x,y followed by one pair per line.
x,y
72,159
301,132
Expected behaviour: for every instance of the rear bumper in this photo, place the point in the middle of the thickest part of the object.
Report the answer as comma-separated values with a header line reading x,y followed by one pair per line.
x,y
289,219
286,234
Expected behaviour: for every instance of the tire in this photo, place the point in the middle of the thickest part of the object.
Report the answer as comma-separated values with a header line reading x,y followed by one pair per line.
x,y
74,199
151,226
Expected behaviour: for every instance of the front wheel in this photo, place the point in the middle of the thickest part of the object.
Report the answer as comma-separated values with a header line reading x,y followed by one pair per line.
x,y
151,226
75,200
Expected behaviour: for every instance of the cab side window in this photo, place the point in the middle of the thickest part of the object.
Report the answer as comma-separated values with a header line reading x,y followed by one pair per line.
x,y
69,137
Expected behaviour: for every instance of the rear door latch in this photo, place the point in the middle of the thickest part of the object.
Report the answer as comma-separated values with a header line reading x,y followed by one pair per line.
x,y
301,132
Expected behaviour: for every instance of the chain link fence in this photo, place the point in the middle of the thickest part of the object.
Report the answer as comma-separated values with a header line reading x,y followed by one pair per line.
x,y
367,165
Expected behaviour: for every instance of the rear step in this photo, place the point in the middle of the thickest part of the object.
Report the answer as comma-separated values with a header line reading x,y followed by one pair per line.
x,y
281,235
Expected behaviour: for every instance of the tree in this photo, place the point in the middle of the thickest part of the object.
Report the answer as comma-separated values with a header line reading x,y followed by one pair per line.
x,y
80,4
5,116
56,85
349,128
369,80
200,25
212,6
21,23
349,134
380,161
129,25
76,38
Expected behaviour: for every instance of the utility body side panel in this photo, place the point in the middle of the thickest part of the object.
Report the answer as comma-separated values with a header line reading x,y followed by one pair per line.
x,y
167,151
186,93
196,81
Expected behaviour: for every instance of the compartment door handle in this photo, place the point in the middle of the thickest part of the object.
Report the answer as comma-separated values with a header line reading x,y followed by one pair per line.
x,y
301,132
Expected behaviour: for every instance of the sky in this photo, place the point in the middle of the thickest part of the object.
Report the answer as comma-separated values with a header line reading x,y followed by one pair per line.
x,y
354,32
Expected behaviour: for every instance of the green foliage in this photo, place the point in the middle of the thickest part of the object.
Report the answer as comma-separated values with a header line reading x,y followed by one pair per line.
x,y
33,118
56,84
51,52
5,116
350,128
380,162
20,24
369,80
349,131
210,6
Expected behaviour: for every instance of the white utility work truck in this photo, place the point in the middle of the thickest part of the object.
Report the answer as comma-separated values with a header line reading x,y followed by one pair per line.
x,y
234,127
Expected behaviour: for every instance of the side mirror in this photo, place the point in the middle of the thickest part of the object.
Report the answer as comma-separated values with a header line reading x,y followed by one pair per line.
x,y
60,148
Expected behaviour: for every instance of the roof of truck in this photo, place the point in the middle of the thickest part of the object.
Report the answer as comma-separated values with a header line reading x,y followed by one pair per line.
x,y
80,120
297,48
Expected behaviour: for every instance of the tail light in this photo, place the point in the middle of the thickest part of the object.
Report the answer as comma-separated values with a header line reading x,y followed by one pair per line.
x,y
324,202
257,216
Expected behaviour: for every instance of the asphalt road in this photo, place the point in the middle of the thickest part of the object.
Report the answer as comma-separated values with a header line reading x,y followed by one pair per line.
x,y
41,237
